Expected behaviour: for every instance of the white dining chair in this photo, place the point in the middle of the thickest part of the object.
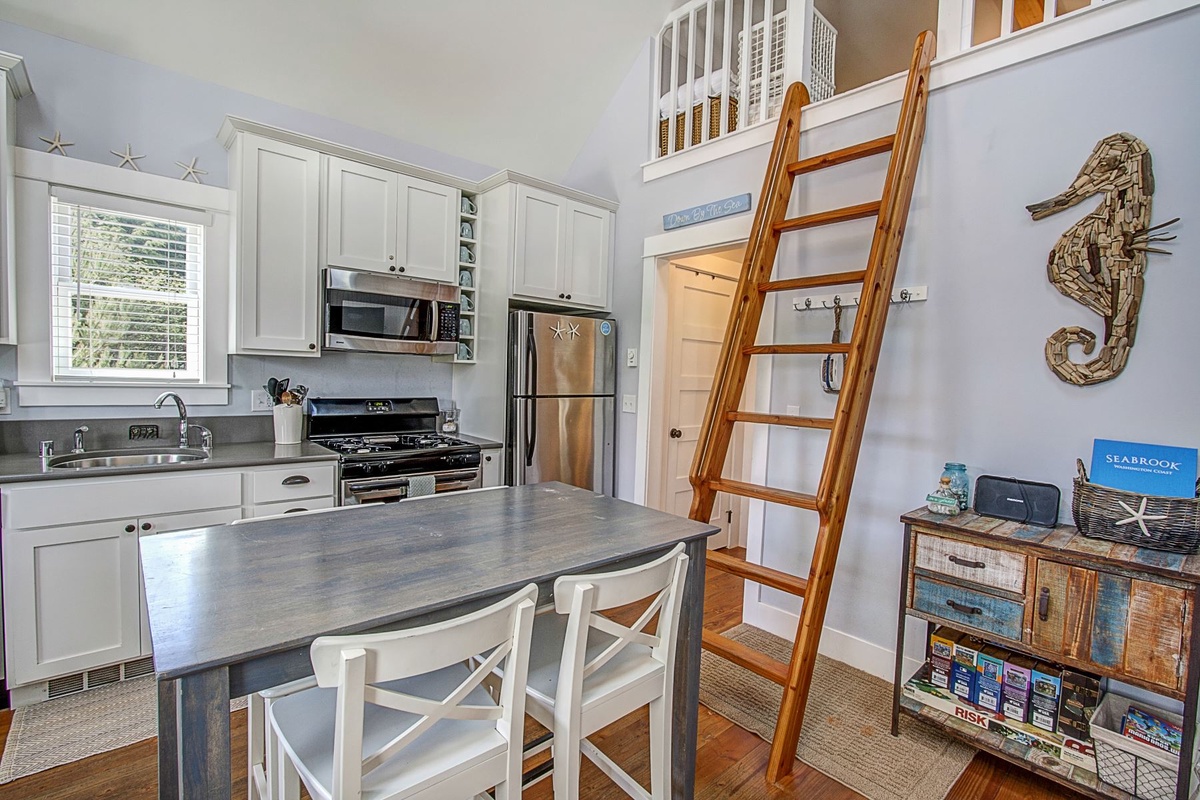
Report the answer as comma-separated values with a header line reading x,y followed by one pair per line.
x,y
587,671
403,714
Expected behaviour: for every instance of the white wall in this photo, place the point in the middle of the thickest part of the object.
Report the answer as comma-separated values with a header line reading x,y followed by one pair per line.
x,y
962,376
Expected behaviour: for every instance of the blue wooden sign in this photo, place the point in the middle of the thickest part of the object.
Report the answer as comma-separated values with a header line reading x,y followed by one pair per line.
x,y
721,208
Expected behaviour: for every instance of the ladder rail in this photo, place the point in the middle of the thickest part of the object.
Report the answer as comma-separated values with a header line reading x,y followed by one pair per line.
x,y
841,457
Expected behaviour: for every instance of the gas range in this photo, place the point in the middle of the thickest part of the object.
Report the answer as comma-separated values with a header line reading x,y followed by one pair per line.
x,y
383,442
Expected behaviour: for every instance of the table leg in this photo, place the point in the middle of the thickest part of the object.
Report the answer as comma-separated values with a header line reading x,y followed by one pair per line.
x,y
203,736
168,742
686,699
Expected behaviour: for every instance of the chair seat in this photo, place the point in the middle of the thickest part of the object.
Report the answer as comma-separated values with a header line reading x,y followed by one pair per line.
x,y
305,724
629,669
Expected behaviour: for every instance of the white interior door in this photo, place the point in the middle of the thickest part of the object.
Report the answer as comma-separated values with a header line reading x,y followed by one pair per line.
x,y
699,311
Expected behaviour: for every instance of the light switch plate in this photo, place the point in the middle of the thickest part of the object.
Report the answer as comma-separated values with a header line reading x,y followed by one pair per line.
x,y
793,411
260,400
629,403
631,357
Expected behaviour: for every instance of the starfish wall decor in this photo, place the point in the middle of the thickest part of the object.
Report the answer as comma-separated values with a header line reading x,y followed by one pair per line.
x,y
191,171
127,158
57,143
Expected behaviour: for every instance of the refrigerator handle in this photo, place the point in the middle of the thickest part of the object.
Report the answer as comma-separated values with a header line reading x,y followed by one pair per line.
x,y
531,357
530,406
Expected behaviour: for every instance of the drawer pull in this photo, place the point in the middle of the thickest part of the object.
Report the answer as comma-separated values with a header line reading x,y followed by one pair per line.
x,y
296,480
1044,604
295,510
964,609
962,562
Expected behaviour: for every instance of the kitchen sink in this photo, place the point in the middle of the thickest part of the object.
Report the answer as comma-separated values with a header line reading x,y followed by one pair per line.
x,y
130,457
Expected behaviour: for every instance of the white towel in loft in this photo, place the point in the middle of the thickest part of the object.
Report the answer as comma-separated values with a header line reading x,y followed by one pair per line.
x,y
716,87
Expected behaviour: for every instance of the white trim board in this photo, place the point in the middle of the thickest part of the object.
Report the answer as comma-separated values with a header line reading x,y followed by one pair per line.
x,y
1090,23
16,75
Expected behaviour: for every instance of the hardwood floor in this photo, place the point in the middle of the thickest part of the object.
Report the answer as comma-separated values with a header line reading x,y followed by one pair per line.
x,y
730,761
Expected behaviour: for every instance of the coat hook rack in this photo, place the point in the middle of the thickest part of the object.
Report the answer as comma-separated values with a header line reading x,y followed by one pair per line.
x,y
909,294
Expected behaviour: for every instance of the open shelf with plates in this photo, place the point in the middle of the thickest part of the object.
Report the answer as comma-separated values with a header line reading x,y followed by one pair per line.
x,y
468,278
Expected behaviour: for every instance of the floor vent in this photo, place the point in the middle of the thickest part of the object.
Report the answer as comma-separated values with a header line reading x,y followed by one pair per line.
x,y
68,684
139,667
103,676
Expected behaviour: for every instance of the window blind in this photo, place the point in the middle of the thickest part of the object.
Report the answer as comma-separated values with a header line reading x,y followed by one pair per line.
x,y
126,293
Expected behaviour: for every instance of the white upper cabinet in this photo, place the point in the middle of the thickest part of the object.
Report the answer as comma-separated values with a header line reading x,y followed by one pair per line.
x,y
361,216
383,221
278,293
561,250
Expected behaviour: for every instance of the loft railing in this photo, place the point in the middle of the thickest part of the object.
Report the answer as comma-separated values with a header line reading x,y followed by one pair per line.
x,y
963,24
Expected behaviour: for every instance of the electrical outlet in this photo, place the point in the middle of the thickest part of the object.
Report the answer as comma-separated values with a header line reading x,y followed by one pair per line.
x,y
629,403
260,400
143,431
793,411
631,357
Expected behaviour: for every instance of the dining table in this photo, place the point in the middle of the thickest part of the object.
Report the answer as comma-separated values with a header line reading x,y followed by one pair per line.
x,y
234,608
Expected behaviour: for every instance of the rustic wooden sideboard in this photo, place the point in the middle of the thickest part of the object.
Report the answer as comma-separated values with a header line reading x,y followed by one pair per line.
x,y
1111,609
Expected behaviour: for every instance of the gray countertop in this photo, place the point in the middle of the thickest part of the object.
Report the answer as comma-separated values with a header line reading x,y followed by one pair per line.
x,y
486,444
20,468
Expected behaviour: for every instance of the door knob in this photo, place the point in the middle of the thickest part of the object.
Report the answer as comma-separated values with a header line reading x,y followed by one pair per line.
x,y
676,433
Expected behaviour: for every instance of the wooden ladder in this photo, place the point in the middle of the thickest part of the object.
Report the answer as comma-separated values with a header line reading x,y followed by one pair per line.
x,y
862,352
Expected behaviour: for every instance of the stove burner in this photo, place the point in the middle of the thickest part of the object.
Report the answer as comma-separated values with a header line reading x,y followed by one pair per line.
x,y
360,445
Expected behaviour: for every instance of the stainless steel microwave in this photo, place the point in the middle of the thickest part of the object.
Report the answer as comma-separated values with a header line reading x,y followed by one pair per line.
x,y
382,314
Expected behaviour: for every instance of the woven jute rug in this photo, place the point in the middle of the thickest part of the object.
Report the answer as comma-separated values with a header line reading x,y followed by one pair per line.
x,y
74,727
847,727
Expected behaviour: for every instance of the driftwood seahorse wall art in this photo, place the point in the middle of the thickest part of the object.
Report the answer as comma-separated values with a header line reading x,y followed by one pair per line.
x,y
1100,261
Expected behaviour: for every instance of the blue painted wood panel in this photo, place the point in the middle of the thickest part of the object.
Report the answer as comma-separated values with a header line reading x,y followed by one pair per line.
x,y
1002,617
1110,620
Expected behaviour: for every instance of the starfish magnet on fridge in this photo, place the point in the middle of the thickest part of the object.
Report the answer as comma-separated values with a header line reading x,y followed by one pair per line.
x,y
558,329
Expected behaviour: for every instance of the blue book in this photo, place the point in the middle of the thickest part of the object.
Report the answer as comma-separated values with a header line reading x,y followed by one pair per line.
x,y
1151,469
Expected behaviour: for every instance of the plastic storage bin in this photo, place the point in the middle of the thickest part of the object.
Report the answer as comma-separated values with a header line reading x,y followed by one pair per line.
x,y
1144,771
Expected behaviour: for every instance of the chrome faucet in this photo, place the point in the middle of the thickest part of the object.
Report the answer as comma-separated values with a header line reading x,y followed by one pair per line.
x,y
79,432
183,422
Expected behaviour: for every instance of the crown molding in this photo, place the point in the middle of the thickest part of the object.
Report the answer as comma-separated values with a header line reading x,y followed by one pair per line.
x,y
16,75
509,176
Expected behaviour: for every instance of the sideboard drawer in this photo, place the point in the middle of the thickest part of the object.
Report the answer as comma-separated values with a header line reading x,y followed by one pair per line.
x,y
1002,569
969,607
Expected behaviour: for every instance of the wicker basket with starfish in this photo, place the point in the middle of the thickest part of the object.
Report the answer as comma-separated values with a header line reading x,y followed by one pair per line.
x,y
1161,523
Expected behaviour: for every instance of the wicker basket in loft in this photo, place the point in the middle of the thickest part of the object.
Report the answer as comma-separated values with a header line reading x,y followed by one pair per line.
x,y
1160,523
714,124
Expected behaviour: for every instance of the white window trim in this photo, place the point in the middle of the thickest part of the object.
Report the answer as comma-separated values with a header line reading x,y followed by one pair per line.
x,y
36,174
1085,25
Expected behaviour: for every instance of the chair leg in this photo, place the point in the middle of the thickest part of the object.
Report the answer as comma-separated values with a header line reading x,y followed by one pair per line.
x,y
660,748
284,778
255,745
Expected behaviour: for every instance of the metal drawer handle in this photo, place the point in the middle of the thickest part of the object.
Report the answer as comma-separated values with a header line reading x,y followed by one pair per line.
x,y
296,480
295,510
1044,604
962,562
964,609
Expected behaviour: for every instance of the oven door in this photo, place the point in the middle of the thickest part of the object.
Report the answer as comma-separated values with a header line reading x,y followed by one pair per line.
x,y
390,315
394,488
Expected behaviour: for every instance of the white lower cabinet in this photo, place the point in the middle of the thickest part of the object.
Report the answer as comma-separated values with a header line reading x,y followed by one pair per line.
x,y
492,472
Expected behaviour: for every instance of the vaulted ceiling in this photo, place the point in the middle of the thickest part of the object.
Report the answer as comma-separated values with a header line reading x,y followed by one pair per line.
x,y
512,83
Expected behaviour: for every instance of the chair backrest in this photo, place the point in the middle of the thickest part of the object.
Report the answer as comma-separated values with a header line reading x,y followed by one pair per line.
x,y
354,664
581,596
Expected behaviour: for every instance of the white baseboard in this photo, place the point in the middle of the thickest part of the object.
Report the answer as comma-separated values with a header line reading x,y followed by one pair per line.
x,y
835,644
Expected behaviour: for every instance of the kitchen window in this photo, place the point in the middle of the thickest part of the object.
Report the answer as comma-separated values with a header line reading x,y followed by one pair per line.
x,y
122,285
126,290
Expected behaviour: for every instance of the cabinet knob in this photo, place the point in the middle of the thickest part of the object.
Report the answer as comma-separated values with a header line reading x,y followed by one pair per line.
x,y
561,296
129,528
312,347
487,458
146,526
391,258
568,297
402,269
392,267
676,433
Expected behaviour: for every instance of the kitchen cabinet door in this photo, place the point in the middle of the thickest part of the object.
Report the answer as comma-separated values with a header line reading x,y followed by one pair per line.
x,y
149,526
491,472
540,249
278,291
427,238
70,599
360,216
588,234
1131,625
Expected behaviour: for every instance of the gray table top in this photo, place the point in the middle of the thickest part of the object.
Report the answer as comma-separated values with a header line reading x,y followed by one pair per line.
x,y
225,594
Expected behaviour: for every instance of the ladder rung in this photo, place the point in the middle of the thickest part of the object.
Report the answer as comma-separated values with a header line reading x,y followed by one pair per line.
x,y
830,217
767,493
814,281
828,348
782,581
781,419
743,656
846,154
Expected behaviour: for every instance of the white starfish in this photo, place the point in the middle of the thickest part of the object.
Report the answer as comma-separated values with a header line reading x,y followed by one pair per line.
x,y
57,143
127,158
190,171
574,330
558,329
1140,516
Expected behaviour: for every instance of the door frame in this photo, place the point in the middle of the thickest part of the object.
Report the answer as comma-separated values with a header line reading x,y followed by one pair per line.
x,y
658,253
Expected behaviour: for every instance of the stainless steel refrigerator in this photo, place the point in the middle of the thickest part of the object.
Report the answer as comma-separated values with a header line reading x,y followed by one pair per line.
x,y
562,403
